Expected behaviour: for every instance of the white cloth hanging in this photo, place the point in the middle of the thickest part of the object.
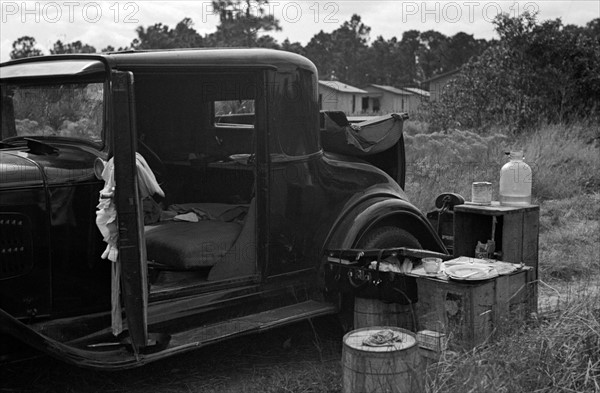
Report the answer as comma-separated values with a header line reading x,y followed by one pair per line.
x,y
106,221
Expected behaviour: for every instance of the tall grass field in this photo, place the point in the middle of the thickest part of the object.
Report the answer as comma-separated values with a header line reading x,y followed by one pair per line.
x,y
559,349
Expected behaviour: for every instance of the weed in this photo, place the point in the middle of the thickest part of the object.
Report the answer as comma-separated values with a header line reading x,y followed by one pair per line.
x,y
413,127
558,352
564,162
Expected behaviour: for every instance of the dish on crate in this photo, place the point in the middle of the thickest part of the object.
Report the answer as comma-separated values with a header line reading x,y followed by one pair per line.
x,y
465,260
471,272
431,265
240,158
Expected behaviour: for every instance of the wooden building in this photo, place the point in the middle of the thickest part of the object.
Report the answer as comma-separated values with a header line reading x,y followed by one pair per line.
x,y
388,99
339,96
436,84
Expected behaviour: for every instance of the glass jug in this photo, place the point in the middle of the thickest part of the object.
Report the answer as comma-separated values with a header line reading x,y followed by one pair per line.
x,y
515,181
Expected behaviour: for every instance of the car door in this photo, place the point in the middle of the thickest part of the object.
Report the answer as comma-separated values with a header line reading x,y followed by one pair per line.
x,y
133,277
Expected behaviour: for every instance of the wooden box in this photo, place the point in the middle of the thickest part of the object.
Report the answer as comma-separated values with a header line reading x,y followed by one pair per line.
x,y
515,229
470,312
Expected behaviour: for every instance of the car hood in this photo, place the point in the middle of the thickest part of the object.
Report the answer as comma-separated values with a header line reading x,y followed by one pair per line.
x,y
19,167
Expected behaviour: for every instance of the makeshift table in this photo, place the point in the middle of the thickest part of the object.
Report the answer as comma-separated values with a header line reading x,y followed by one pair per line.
x,y
515,231
470,312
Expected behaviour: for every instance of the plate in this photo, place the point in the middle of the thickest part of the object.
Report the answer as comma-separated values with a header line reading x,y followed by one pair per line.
x,y
471,272
240,158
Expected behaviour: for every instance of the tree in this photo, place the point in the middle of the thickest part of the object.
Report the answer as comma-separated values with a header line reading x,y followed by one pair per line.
x,y
74,47
410,44
160,36
593,28
294,47
110,48
351,39
459,49
432,53
266,41
320,49
387,63
535,72
24,47
341,54
241,22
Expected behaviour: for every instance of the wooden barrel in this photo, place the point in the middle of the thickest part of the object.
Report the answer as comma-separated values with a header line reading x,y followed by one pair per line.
x,y
373,312
390,369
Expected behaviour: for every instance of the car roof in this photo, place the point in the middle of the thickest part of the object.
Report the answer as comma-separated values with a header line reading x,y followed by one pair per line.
x,y
203,57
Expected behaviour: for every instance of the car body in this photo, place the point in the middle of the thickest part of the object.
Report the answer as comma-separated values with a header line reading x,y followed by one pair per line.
x,y
224,132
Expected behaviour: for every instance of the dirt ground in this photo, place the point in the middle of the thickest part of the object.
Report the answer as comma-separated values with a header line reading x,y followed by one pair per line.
x,y
295,358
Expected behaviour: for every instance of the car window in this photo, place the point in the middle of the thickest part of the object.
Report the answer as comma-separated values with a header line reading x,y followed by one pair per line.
x,y
234,113
67,110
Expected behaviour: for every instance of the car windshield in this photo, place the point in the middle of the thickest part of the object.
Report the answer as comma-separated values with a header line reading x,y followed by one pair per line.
x,y
65,110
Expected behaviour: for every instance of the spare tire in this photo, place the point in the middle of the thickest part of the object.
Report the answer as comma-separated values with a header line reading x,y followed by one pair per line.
x,y
403,289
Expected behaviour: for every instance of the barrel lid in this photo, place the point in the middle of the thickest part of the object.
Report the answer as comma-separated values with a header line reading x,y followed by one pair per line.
x,y
355,339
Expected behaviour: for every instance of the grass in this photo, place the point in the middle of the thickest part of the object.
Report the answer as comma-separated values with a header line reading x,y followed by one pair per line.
x,y
414,127
564,159
570,237
558,351
566,183
450,162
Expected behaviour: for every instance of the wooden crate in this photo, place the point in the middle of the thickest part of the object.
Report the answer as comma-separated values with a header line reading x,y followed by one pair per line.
x,y
444,226
516,231
470,313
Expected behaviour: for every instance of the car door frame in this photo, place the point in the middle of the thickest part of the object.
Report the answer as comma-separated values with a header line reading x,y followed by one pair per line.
x,y
132,253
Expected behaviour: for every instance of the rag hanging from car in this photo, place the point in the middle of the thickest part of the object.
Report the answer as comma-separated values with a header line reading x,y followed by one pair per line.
x,y
106,221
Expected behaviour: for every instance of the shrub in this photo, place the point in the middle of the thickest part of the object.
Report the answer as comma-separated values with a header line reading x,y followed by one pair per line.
x,y
536,72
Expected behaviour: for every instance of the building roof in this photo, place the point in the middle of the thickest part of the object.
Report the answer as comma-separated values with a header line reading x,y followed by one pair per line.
x,y
417,91
342,87
392,89
440,76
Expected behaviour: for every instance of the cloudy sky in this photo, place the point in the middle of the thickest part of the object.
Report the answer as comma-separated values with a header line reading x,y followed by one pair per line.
x,y
102,23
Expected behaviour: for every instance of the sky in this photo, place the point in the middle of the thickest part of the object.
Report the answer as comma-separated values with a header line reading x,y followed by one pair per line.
x,y
103,23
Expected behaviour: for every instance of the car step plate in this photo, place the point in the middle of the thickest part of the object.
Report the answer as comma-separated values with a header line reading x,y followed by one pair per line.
x,y
252,323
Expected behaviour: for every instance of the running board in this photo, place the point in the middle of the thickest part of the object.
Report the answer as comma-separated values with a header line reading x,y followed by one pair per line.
x,y
251,324
118,356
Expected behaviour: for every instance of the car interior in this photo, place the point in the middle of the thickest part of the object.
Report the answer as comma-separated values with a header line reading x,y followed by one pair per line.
x,y
196,131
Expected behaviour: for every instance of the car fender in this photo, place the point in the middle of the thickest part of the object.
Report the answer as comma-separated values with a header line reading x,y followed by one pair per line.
x,y
378,211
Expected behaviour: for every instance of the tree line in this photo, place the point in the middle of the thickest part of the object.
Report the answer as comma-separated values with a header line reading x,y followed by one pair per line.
x,y
347,54
536,71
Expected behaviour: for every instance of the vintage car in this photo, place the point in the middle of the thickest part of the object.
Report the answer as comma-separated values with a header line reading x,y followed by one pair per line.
x,y
244,203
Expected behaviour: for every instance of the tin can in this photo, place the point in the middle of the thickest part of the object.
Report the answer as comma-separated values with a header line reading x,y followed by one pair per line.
x,y
481,193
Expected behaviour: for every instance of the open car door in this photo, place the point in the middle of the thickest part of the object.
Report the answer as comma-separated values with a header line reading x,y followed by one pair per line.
x,y
132,258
